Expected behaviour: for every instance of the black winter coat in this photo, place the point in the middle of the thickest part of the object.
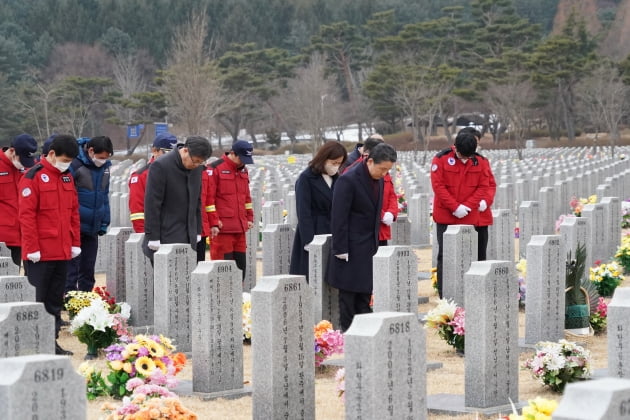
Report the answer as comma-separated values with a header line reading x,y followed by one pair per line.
x,y
313,199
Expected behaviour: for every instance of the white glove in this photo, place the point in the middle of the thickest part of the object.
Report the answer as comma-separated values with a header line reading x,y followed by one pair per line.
x,y
483,205
154,245
461,211
34,256
342,256
388,218
306,247
75,251
198,238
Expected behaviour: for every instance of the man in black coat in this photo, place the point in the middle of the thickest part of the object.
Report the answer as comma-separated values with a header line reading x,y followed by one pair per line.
x,y
172,201
355,221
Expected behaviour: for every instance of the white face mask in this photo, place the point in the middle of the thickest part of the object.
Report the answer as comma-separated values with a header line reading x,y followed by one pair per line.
x,y
99,162
18,165
62,166
331,169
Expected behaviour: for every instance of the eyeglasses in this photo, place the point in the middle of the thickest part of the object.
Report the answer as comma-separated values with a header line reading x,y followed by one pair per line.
x,y
196,161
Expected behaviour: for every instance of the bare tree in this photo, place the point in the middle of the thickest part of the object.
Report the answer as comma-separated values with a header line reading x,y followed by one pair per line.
x,y
605,97
191,85
310,100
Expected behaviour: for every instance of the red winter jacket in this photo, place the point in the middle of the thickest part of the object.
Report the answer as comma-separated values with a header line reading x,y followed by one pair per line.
x,y
485,217
228,198
9,220
49,213
390,204
137,187
455,183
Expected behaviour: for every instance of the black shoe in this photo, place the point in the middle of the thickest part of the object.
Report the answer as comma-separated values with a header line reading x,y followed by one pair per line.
x,y
61,351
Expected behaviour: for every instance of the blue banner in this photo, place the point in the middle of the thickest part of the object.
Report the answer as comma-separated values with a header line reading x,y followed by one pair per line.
x,y
134,131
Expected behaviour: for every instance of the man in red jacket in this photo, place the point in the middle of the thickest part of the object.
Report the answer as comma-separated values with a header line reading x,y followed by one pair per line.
x,y
229,204
162,144
50,226
13,162
459,178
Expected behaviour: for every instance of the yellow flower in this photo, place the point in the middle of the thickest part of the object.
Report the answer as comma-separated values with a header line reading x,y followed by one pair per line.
x,y
132,349
544,406
116,365
127,367
145,365
166,342
154,348
86,369
159,364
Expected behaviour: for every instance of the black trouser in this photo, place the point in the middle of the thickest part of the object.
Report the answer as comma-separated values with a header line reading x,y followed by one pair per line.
x,y
240,258
16,254
201,249
81,268
351,304
49,279
382,242
482,242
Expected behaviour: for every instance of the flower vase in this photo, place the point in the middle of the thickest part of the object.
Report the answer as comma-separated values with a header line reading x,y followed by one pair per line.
x,y
92,351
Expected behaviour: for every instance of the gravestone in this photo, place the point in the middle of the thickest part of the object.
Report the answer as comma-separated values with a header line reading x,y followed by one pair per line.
x,y
401,230
277,243
250,257
396,268
325,297
26,328
529,223
271,213
100,266
460,249
547,210
174,264
6,252
501,236
574,231
601,399
217,329
138,281
612,224
283,367
546,272
420,220
115,251
491,364
8,268
41,386
385,367
16,289
595,214
619,334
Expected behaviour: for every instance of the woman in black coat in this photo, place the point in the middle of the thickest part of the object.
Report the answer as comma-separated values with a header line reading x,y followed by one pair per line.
x,y
313,196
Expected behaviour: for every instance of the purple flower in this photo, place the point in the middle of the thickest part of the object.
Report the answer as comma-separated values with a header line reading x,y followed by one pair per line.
x,y
143,351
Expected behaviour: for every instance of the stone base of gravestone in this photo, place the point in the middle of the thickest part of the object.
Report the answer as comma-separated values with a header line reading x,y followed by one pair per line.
x,y
185,389
16,289
453,405
7,268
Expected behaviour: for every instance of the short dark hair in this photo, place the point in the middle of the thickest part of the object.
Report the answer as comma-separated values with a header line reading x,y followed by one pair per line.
x,y
471,130
370,143
198,147
330,150
465,143
101,144
383,153
65,145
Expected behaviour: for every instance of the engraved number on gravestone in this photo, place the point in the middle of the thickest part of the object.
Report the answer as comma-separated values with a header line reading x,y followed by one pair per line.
x,y
45,375
224,268
399,327
554,242
27,316
501,271
13,286
292,287
403,253
180,251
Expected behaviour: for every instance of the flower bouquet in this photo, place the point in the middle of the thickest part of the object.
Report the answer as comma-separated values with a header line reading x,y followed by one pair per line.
x,y
340,381
402,202
97,328
557,364
149,401
75,300
142,359
578,204
625,214
537,409
606,278
434,279
623,254
599,317
521,267
247,317
449,321
327,342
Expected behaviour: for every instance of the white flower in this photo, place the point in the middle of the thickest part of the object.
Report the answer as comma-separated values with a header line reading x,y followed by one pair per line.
x,y
125,310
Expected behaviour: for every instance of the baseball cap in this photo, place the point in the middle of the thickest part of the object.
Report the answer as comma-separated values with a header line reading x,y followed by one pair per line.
x,y
244,151
25,147
47,143
165,141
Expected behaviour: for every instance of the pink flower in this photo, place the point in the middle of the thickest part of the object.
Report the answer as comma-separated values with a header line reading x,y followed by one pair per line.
x,y
133,383
602,307
458,321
